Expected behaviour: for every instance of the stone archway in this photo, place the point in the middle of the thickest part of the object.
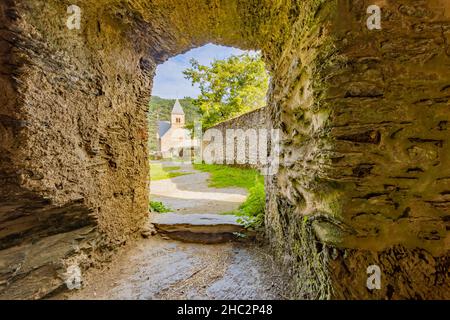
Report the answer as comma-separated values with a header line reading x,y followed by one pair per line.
x,y
365,174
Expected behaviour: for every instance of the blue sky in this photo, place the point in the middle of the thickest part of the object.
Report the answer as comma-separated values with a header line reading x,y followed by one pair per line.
x,y
169,81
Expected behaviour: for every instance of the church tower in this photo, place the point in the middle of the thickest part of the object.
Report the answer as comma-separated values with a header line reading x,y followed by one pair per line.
x,y
177,117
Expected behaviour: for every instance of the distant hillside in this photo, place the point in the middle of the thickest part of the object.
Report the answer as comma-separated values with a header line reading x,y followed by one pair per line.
x,y
160,109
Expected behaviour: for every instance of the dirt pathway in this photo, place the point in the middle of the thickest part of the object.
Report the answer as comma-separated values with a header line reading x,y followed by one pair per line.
x,y
191,193
157,268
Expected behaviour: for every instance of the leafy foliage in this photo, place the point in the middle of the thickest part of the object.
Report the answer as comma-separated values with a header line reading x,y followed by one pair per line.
x,y
229,87
252,210
159,207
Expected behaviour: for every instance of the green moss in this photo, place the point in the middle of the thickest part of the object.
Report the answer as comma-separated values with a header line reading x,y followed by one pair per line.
x,y
313,281
327,232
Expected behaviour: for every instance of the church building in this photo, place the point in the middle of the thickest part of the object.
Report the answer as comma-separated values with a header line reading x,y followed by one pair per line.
x,y
172,135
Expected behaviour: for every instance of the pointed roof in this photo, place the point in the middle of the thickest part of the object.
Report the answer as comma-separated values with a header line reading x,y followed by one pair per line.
x,y
163,127
177,109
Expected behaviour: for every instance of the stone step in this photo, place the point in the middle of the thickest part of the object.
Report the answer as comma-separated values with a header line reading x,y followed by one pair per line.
x,y
199,228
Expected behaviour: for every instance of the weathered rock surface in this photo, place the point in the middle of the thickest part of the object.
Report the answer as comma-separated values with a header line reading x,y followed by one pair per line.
x,y
32,270
365,173
200,228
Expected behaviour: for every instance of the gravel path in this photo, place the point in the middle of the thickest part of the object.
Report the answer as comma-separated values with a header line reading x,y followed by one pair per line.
x,y
191,194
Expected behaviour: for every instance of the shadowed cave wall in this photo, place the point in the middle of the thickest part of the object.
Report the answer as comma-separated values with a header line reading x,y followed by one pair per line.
x,y
364,116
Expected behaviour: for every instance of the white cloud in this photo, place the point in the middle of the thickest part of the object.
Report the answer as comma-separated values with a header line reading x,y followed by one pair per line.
x,y
169,81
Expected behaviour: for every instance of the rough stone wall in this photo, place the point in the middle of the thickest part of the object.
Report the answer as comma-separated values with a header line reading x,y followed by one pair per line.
x,y
74,125
75,137
395,157
365,153
253,120
363,114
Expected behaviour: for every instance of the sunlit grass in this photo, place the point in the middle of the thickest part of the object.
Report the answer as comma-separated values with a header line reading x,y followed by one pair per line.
x,y
160,172
224,176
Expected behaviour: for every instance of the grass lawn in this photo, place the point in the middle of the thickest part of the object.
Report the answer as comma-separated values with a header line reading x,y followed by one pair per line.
x,y
160,172
224,176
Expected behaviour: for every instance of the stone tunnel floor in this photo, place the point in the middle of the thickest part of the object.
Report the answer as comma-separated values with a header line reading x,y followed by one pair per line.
x,y
162,268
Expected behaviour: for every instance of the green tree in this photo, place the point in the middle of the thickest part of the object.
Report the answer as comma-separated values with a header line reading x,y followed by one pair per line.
x,y
229,87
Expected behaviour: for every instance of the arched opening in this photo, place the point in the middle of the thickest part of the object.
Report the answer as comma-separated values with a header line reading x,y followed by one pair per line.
x,y
364,173
210,88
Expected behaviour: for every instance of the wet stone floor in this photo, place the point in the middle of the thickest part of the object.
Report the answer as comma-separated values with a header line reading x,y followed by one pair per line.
x,y
160,267
156,268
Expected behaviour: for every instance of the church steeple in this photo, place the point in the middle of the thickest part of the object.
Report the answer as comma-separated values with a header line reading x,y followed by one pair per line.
x,y
177,117
177,109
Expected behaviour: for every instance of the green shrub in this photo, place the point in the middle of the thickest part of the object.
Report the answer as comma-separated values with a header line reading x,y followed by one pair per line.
x,y
252,210
159,207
